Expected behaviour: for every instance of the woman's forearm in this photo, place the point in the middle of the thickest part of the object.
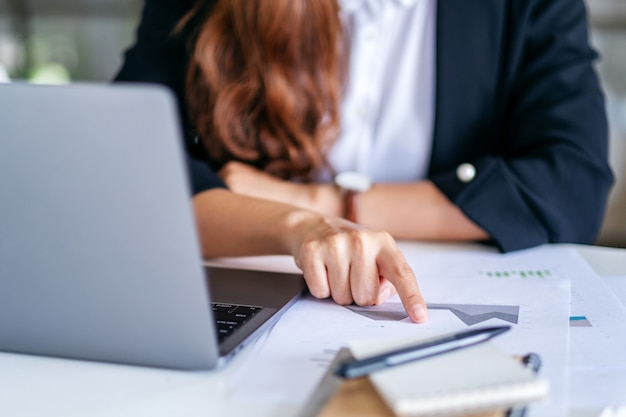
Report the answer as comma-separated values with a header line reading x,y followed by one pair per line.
x,y
236,225
417,211
409,211
414,211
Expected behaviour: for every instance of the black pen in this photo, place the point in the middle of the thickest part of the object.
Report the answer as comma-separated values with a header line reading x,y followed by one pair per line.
x,y
360,367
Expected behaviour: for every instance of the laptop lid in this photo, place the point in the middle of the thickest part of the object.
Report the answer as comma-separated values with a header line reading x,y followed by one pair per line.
x,y
99,257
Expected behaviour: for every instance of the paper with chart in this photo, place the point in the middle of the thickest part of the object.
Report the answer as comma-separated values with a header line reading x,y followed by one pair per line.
x,y
527,290
598,343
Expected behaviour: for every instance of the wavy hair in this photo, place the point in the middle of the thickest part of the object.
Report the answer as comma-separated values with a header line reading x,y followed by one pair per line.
x,y
263,83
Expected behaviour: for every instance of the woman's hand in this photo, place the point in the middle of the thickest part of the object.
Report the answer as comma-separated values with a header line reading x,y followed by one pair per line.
x,y
349,263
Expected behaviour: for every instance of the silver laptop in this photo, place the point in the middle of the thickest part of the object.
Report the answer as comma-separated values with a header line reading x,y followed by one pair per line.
x,y
99,257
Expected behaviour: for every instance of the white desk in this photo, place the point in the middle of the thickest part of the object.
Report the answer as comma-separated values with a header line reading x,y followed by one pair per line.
x,y
37,386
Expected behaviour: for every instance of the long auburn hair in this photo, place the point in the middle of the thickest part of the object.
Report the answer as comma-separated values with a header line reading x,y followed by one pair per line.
x,y
263,83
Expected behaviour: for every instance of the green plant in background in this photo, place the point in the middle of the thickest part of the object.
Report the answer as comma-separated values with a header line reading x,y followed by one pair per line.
x,y
35,49
53,56
50,73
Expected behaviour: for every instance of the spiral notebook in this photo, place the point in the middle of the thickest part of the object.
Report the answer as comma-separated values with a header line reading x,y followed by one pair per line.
x,y
470,380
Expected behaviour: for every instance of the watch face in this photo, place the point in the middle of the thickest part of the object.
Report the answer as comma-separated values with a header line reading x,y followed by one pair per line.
x,y
353,181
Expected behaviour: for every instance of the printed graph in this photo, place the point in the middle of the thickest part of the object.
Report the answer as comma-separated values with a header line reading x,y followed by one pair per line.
x,y
519,273
579,321
470,314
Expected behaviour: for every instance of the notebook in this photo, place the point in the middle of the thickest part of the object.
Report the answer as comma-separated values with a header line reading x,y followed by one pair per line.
x,y
471,380
99,257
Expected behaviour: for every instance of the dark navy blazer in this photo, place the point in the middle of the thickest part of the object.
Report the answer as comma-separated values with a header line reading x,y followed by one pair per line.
x,y
516,96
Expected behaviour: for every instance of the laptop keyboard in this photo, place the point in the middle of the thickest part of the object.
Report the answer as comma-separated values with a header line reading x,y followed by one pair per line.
x,y
230,316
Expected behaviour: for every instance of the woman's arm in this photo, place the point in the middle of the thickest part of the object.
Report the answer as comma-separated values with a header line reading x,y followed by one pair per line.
x,y
417,211
338,259
533,124
412,211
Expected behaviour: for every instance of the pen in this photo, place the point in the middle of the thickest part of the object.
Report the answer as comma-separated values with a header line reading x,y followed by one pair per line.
x,y
360,367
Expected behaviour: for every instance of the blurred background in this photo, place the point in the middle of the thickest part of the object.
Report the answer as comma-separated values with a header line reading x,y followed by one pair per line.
x,y
57,41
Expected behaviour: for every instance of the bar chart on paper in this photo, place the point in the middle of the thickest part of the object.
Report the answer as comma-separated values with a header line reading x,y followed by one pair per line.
x,y
470,314
523,273
579,321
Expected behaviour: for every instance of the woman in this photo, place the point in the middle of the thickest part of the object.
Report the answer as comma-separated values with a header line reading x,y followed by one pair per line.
x,y
479,121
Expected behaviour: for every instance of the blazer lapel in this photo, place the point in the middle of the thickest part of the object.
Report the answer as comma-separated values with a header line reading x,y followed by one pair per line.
x,y
468,63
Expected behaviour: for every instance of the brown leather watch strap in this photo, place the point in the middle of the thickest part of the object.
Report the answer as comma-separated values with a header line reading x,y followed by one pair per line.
x,y
351,185
351,205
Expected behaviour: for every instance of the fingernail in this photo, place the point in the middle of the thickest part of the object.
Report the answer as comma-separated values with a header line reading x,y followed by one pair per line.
x,y
419,313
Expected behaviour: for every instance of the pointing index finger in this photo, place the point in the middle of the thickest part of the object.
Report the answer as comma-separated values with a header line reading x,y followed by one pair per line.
x,y
393,266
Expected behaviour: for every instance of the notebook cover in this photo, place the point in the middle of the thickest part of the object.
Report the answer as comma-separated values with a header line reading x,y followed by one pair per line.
x,y
470,380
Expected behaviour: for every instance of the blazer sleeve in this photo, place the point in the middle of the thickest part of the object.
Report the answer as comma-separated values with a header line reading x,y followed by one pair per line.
x,y
159,56
547,177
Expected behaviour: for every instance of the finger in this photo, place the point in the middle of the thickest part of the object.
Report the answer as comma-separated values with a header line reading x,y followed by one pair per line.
x,y
312,265
394,267
386,290
338,267
364,277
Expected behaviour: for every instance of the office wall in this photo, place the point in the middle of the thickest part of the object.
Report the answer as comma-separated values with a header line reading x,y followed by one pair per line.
x,y
87,38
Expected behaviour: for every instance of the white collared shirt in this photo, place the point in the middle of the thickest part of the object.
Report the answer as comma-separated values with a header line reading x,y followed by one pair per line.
x,y
387,110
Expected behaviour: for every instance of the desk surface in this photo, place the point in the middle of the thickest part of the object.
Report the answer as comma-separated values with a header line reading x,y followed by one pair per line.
x,y
33,386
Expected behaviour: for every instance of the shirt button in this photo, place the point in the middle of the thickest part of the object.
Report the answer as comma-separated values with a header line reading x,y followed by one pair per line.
x,y
466,172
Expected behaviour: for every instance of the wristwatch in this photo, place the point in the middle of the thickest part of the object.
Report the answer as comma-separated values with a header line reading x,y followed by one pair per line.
x,y
351,185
